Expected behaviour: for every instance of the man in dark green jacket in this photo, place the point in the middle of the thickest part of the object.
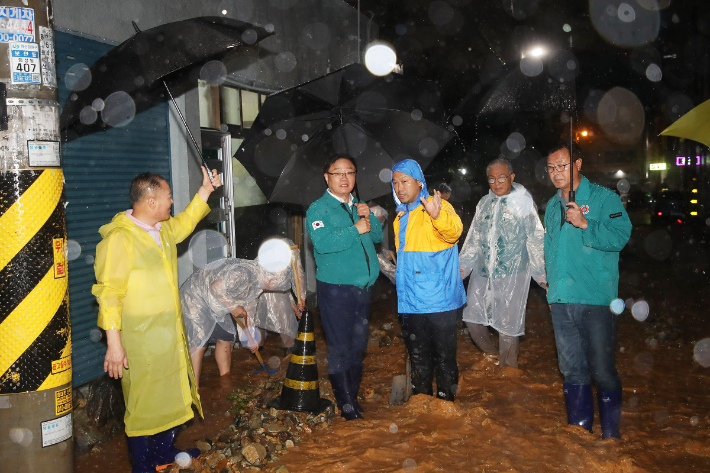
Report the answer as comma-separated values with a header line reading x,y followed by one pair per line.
x,y
582,244
344,233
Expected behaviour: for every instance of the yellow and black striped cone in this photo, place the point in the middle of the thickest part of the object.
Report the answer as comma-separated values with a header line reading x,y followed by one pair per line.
x,y
300,391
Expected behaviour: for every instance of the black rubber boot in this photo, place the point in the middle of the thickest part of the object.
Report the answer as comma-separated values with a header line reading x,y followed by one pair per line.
x,y
343,396
165,451
142,454
580,407
354,380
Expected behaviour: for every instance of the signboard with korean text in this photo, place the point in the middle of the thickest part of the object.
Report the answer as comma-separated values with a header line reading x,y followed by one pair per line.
x,y
43,153
17,24
24,63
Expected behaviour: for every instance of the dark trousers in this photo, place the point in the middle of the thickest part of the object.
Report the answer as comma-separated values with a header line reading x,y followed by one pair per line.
x,y
344,313
431,343
585,336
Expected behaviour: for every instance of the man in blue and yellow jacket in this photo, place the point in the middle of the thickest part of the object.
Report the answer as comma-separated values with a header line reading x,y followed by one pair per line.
x,y
429,286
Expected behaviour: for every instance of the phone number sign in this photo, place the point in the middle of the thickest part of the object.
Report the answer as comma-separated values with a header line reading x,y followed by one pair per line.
x,y
24,63
17,24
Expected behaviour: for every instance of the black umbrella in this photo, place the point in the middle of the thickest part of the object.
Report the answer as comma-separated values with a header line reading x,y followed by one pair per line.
x,y
130,78
531,85
377,120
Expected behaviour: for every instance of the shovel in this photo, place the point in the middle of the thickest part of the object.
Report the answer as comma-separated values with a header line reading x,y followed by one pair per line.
x,y
253,342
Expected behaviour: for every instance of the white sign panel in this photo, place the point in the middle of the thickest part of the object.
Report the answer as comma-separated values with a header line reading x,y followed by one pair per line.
x,y
24,63
43,153
17,24
57,430
46,48
658,167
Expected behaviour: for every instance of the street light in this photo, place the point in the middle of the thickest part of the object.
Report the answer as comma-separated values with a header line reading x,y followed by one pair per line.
x,y
380,58
535,51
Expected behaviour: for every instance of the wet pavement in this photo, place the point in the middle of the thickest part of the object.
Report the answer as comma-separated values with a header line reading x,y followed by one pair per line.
x,y
510,419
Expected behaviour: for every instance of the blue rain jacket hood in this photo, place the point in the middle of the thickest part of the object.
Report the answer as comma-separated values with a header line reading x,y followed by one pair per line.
x,y
412,169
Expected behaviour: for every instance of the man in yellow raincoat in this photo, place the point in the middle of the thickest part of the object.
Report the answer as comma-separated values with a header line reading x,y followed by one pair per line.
x,y
139,308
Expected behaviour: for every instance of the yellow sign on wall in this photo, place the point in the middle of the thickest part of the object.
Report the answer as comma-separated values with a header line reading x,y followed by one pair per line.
x,y
62,400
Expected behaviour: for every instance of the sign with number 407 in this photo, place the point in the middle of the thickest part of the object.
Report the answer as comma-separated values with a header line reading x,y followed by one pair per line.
x,y
24,63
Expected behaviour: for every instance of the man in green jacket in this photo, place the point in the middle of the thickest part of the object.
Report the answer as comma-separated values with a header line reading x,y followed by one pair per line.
x,y
344,232
582,244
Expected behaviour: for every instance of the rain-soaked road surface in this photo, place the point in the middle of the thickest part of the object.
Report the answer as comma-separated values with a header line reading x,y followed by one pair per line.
x,y
511,420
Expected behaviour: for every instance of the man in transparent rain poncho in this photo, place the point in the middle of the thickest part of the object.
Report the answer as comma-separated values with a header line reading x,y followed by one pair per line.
x,y
212,296
277,311
503,249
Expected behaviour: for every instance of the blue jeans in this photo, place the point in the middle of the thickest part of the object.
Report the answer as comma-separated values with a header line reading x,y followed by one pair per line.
x,y
344,313
585,336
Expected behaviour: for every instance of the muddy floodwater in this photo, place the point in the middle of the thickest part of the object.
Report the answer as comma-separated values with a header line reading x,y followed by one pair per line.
x,y
510,420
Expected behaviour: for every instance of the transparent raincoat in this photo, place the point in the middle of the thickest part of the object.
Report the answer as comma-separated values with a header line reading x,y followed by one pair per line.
x,y
274,311
503,249
209,295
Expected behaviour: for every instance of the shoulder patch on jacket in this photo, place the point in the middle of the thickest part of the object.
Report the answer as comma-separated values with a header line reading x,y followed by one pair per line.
x,y
317,224
584,209
617,214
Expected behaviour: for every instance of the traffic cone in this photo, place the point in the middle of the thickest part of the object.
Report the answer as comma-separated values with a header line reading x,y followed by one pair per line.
x,y
300,391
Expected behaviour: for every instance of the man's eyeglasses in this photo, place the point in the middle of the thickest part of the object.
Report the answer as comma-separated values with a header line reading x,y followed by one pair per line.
x,y
343,174
557,167
500,179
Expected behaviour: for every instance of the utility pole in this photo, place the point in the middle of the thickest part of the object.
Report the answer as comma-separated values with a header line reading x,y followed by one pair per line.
x,y
35,333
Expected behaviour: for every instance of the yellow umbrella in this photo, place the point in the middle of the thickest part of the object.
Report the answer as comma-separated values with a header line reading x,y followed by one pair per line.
x,y
694,125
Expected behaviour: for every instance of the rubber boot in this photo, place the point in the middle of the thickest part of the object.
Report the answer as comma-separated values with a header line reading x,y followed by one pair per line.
x,y
343,396
610,412
354,379
165,451
142,453
580,407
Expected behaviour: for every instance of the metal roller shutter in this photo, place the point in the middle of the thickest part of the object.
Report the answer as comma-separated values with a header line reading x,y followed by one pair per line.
x,y
98,169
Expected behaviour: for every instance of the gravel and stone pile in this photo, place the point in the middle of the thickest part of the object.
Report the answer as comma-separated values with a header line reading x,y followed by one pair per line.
x,y
258,437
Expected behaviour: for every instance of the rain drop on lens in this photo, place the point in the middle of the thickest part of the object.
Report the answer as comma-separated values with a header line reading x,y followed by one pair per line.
x,y
617,306
249,36
566,28
416,114
281,134
98,105
119,110
654,73
385,175
88,116
701,352
304,137
694,421
95,335
214,73
626,13
78,77
183,460
409,465
457,120
393,428
623,186
73,250
640,310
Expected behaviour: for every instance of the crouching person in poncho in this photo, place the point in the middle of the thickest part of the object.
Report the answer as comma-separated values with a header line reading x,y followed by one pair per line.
x,y
139,308
503,249
226,289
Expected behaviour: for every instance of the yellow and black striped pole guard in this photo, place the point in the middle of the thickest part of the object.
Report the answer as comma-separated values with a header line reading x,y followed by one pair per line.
x,y
35,335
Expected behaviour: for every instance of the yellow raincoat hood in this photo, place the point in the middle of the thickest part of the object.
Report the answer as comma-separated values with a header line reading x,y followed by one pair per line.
x,y
137,291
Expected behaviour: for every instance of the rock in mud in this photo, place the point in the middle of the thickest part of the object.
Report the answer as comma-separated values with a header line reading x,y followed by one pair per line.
x,y
254,453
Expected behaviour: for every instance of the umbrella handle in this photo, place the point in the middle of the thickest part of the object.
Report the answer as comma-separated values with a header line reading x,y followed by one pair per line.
x,y
295,276
189,132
